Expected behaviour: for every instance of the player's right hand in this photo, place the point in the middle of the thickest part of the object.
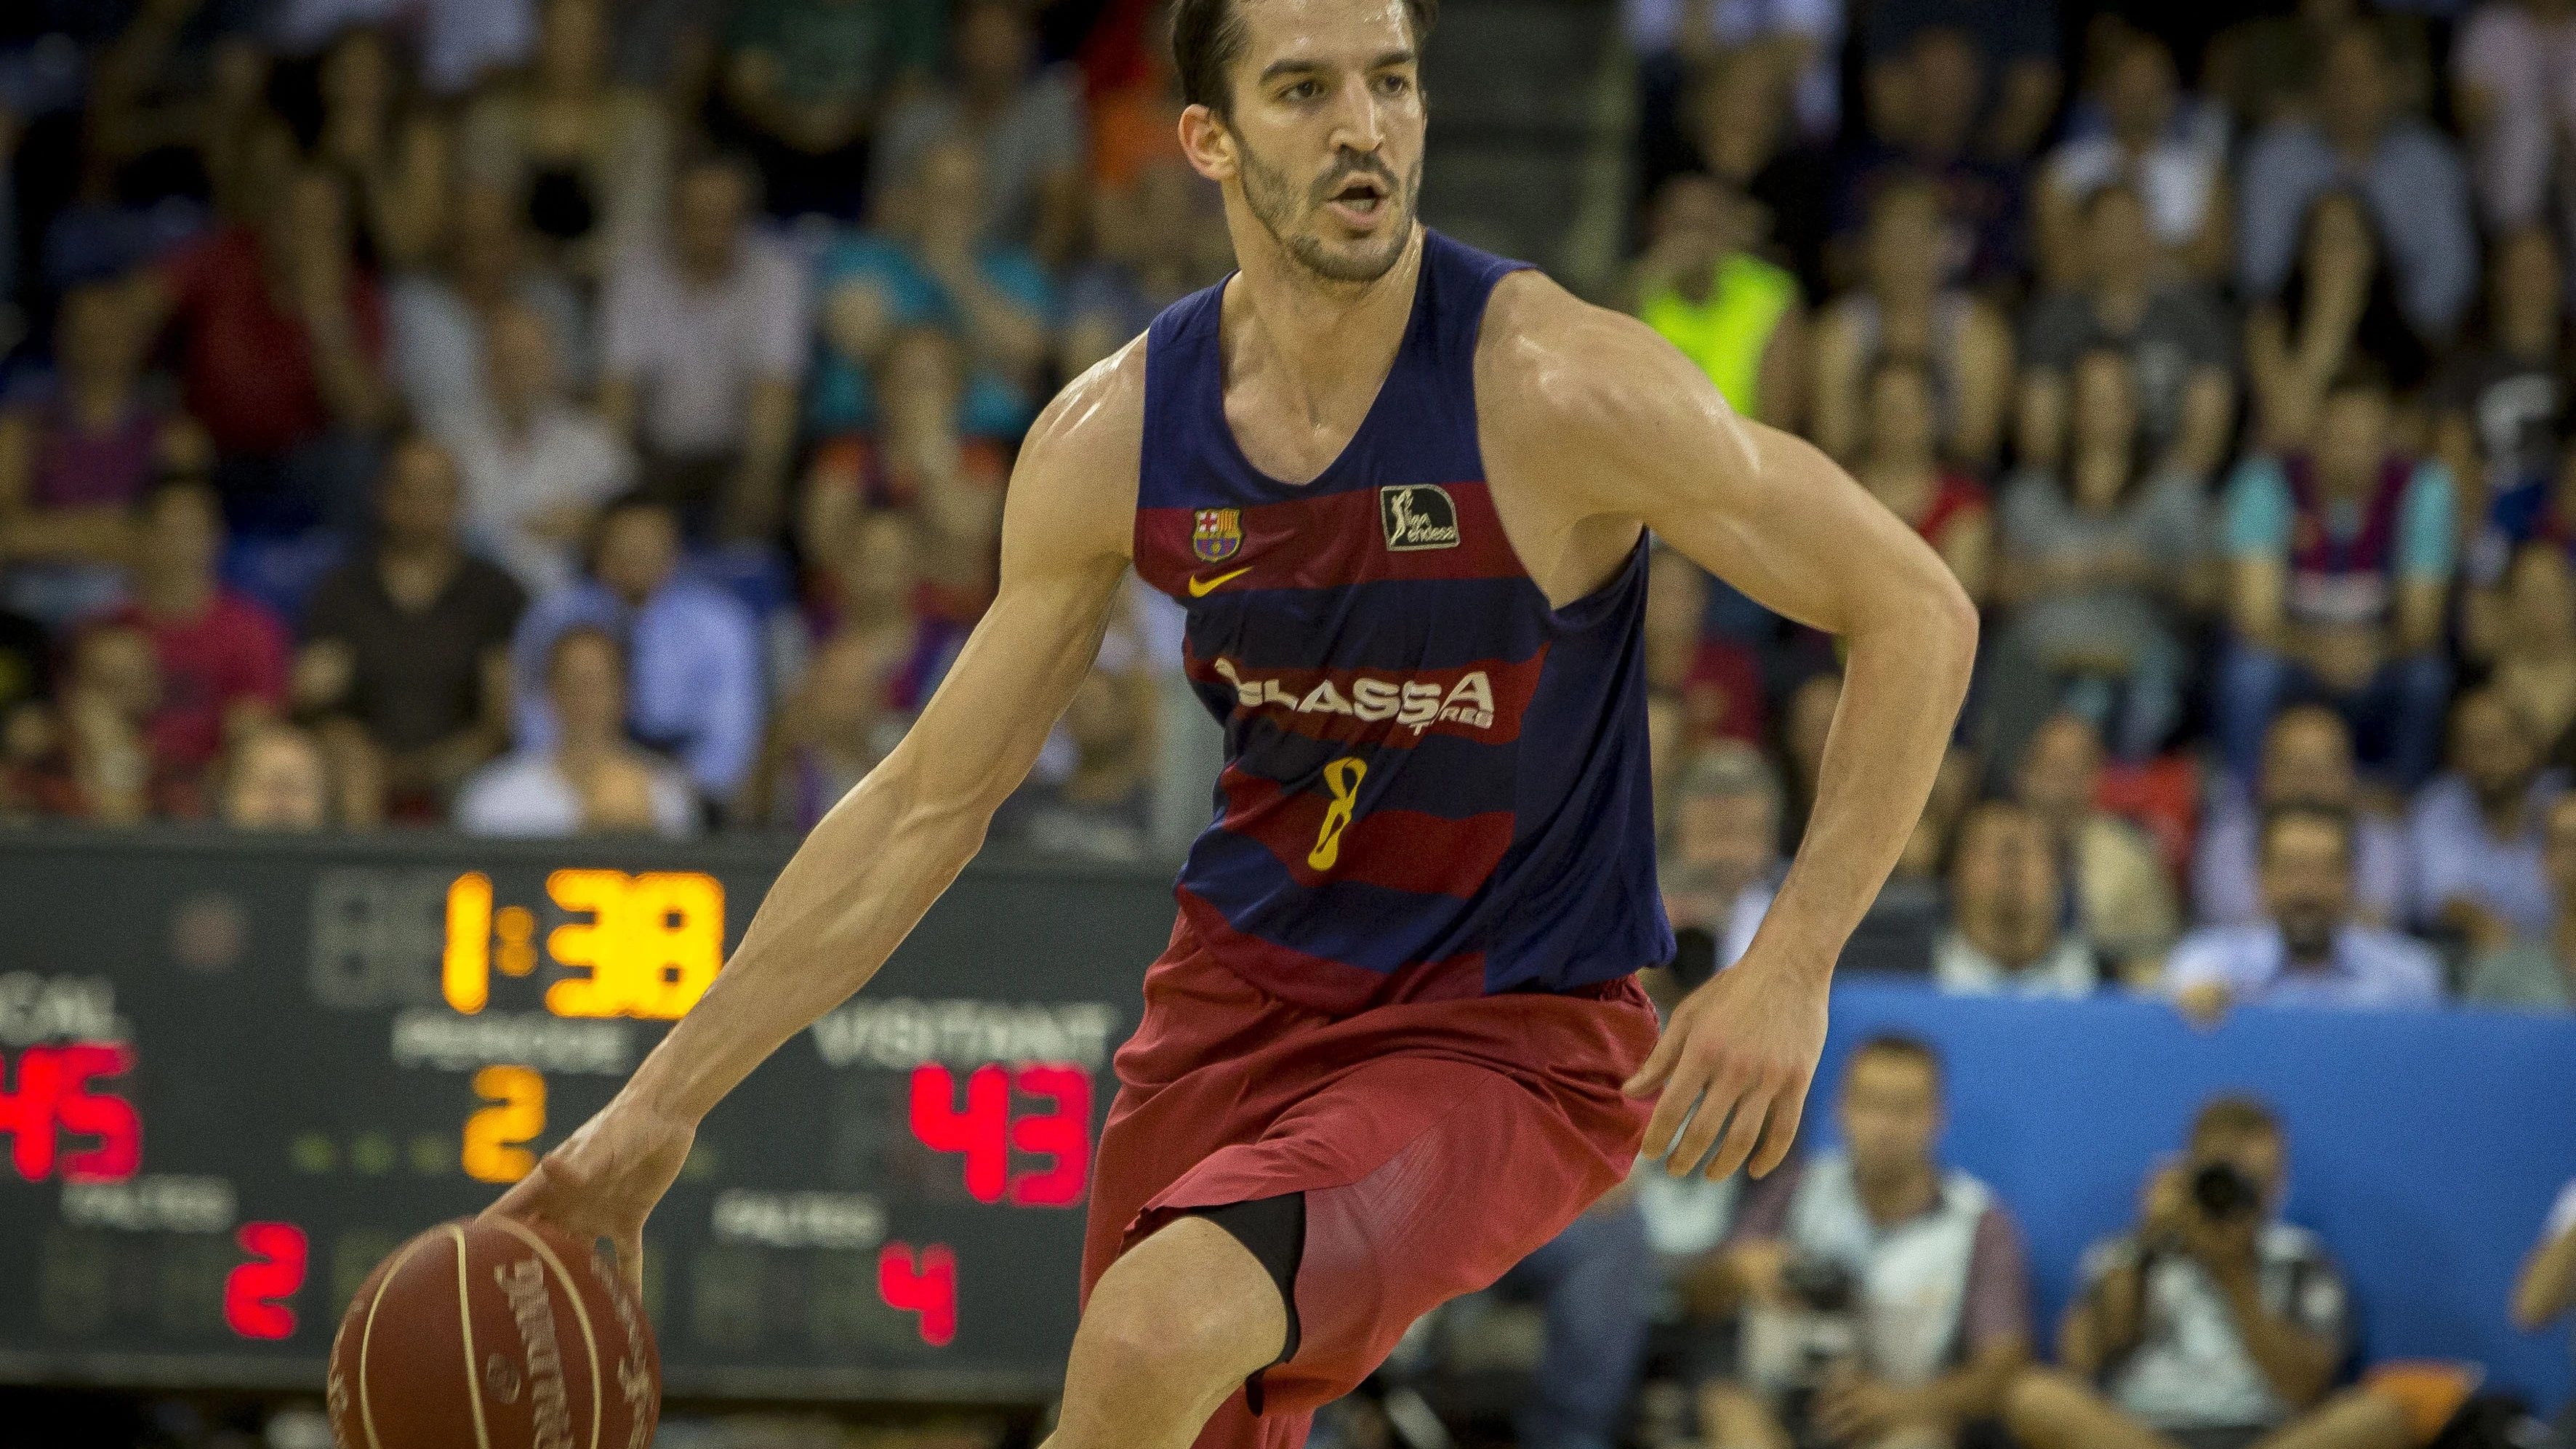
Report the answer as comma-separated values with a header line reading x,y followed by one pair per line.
x,y
604,1179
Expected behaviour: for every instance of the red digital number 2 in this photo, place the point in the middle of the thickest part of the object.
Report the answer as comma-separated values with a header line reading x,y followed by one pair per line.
x,y
253,1292
926,1286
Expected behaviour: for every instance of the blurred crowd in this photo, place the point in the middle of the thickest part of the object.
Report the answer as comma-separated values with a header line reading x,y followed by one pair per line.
x,y
552,416
560,416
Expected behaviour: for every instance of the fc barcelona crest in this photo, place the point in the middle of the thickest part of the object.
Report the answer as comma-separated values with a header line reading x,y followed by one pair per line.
x,y
1217,533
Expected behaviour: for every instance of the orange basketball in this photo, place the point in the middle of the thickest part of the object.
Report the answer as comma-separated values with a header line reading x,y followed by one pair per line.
x,y
494,1335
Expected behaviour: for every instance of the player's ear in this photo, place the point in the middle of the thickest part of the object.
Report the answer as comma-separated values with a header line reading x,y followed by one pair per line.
x,y
1208,142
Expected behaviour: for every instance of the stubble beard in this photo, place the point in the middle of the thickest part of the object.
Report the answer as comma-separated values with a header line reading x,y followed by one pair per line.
x,y
1276,200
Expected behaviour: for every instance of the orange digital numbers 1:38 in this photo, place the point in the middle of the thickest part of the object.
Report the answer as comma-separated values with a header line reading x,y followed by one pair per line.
x,y
640,945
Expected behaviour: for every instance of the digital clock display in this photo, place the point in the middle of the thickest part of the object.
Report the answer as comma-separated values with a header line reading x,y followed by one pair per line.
x,y
235,1072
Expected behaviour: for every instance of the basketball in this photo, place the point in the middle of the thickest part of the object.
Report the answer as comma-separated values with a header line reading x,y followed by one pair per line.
x,y
497,1334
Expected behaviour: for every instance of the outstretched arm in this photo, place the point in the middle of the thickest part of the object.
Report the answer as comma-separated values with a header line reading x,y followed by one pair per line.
x,y
1636,434
873,865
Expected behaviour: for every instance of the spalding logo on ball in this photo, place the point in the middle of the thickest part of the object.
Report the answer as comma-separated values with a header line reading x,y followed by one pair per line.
x,y
496,1334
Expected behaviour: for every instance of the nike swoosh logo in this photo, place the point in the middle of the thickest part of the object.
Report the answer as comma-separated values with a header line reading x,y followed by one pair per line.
x,y
1200,588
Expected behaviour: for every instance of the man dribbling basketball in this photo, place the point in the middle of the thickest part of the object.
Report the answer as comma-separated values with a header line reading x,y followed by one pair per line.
x,y
1402,488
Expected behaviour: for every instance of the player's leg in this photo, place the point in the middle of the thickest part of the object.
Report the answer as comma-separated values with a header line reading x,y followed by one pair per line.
x,y
2051,1409
1172,1329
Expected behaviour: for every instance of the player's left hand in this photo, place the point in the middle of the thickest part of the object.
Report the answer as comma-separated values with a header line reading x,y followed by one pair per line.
x,y
1742,1047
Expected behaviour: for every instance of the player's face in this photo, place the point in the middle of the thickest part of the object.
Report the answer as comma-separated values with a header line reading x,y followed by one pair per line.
x,y
1325,138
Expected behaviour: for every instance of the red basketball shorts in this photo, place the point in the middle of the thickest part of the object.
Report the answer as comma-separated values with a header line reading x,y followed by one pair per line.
x,y
1437,1143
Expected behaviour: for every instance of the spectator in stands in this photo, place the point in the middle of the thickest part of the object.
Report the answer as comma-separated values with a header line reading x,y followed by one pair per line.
x,y
2405,172
2123,904
2308,950
870,582
1924,107
2475,834
2307,760
703,338
1597,1283
1742,137
1027,121
223,657
1103,808
275,780
931,267
2008,912
1907,312
75,459
1900,464
691,671
1700,285
2339,561
2338,310
2498,404
1938,1278
2019,40
589,160
1155,243
2212,1323
2102,565
95,755
2532,647
808,80
536,466
2538,969
406,653
442,319
827,735
1788,50
2175,335
2510,76
2180,181
588,779
282,346
1806,722
1717,681
2547,1284
390,151
1724,859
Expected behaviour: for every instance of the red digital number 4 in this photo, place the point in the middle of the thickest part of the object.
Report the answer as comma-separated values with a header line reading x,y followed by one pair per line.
x,y
254,1292
985,1132
926,1286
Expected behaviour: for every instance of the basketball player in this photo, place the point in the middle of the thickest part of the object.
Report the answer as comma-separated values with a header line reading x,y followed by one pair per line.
x,y
1403,489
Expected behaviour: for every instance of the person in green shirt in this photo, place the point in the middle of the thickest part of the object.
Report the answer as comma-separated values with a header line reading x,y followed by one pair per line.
x,y
2539,973
1702,288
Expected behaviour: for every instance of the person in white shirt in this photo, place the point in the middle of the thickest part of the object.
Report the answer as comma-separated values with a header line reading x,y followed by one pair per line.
x,y
2008,912
1723,861
535,466
593,780
2547,1287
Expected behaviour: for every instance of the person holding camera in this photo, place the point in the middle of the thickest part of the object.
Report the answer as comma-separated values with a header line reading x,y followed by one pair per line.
x,y
1887,1300
2211,1325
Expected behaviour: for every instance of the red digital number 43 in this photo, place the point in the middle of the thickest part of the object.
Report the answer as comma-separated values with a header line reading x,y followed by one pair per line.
x,y
985,1132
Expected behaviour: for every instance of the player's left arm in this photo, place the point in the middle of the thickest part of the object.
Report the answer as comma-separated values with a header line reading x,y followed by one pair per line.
x,y
1631,432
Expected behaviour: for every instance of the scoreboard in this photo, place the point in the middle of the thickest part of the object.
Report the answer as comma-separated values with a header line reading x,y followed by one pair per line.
x,y
235,1071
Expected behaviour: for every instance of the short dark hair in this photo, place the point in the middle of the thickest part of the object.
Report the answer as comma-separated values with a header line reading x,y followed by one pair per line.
x,y
1208,35
1904,1047
165,484
2290,812
2235,1114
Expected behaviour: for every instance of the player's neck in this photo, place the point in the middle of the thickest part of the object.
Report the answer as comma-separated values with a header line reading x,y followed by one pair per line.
x,y
1316,338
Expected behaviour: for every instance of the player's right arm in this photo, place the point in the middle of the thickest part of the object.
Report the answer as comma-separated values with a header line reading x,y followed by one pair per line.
x,y
872,867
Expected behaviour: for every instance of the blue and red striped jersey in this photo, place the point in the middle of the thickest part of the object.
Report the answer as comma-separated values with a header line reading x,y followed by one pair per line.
x,y
1435,784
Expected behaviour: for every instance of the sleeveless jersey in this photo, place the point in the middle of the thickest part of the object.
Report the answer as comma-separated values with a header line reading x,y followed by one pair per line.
x,y
1435,785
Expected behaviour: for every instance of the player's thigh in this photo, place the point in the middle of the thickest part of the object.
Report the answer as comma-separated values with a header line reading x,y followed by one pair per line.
x,y
1488,1178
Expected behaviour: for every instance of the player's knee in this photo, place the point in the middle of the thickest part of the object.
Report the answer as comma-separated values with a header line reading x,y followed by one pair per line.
x,y
1155,1326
